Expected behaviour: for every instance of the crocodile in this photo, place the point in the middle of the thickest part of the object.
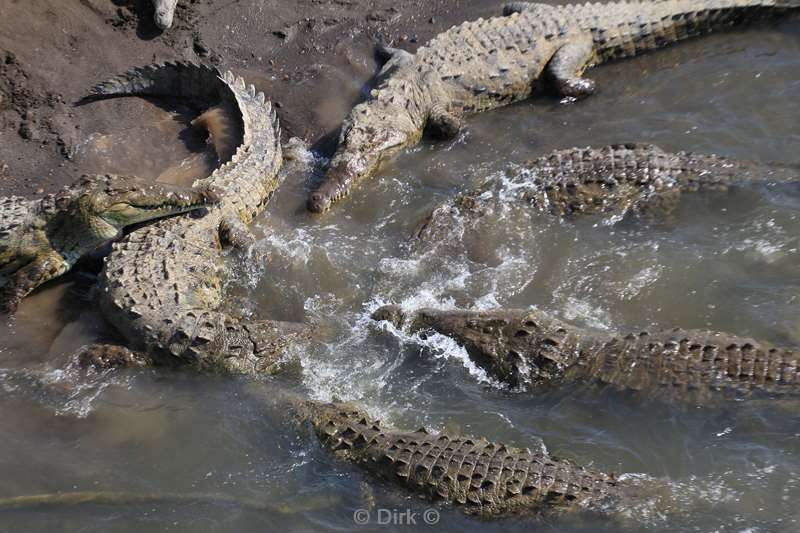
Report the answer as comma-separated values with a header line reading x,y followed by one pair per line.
x,y
479,476
634,178
43,239
162,287
531,349
485,64
490,479
164,13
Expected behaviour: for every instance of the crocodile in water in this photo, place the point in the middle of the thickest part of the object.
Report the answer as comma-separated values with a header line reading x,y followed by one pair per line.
x,y
486,64
162,287
480,476
617,180
527,347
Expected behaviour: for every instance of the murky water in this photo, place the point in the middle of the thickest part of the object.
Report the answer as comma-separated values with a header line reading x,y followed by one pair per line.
x,y
725,262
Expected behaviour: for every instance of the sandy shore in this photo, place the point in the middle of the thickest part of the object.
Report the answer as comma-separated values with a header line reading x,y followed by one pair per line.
x,y
311,57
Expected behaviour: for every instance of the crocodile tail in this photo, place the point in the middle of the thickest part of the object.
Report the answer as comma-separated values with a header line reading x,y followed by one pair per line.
x,y
198,83
717,170
257,152
252,174
223,126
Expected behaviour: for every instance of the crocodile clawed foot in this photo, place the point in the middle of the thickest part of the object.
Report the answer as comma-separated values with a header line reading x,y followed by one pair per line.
x,y
576,88
107,356
442,124
234,233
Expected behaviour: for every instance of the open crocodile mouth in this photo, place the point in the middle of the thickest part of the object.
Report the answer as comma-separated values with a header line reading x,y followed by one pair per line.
x,y
182,202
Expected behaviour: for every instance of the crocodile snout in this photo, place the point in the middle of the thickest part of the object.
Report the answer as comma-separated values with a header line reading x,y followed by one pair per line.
x,y
318,202
390,313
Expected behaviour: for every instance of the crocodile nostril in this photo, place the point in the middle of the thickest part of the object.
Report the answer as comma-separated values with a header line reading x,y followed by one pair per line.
x,y
317,202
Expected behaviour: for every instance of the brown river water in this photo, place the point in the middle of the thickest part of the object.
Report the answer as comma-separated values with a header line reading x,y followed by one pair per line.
x,y
726,262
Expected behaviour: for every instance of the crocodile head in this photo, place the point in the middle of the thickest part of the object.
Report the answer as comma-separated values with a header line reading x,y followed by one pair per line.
x,y
414,321
390,313
165,9
513,345
363,147
45,242
107,204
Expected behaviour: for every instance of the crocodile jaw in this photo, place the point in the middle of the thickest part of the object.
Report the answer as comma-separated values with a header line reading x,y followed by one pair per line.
x,y
363,151
338,183
142,209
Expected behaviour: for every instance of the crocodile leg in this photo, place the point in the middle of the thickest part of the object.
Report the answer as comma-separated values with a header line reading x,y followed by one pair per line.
x,y
567,65
27,278
394,58
659,208
443,124
515,7
233,232
105,356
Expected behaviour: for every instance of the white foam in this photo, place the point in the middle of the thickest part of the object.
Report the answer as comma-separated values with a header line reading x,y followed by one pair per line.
x,y
593,316
67,391
437,345
295,248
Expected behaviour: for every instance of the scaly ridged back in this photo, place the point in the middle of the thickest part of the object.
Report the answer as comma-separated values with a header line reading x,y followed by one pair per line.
x,y
628,28
521,345
680,362
486,477
249,179
616,179
490,62
163,283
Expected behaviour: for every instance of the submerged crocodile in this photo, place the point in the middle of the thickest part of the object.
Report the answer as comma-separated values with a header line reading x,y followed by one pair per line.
x,y
42,239
480,476
486,64
162,287
527,347
621,179
164,13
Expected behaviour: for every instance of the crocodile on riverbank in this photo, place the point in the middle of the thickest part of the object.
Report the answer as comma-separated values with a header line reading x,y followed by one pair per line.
x,y
527,347
486,64
162,287
619,179
42,239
